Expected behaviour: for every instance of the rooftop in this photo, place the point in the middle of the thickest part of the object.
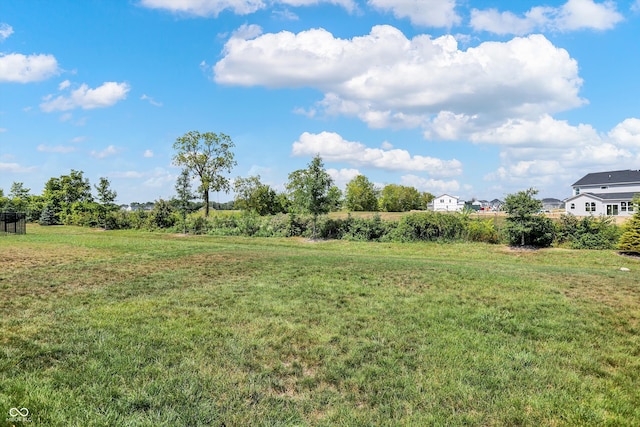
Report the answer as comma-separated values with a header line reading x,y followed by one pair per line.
x,y
610,177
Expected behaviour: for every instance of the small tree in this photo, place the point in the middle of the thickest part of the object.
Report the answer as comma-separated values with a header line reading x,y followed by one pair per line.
x,y
106,200
162,215
254,196
310,190
630,239
524,226
48,215
208,155
183,188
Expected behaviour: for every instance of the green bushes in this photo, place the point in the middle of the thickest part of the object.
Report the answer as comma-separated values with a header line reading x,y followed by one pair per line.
x,y
588,232
568,231
366,229
630,239
585,233
414,227
539,231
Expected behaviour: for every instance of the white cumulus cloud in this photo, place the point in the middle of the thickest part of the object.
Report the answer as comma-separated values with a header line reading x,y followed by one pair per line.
x,y
342,176
627,133
387,80
19,68
433,186
548,151
106,95
332,147
431,13
571,16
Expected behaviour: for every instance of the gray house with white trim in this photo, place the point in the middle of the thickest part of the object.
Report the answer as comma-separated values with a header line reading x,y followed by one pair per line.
x,y
604,193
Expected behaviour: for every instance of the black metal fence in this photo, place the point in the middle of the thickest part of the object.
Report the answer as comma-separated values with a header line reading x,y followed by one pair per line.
x,y
13,222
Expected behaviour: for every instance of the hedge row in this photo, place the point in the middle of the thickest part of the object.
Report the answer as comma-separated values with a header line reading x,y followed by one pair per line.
x,y
568,231
422,226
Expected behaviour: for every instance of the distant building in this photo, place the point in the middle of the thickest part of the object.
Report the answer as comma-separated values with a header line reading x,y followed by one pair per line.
x,y
604,193
550,204
496,204
448,203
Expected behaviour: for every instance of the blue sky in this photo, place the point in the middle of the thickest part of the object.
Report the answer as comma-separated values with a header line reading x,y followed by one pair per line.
x,y
477,99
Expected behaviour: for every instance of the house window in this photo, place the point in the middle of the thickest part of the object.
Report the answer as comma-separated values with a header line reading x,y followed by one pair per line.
x,y
630,207
612,210
573,205
623,206
593,206
441,200
590,207
576,191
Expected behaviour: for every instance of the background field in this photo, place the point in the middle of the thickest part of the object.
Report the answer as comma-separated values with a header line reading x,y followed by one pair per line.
x,y
130,328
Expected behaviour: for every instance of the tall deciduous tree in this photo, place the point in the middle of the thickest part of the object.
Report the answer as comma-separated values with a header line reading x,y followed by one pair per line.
x,y
361,195
310,190
207,155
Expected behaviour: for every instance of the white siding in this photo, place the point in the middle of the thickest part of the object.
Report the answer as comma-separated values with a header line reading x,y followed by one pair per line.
x,y
613,188
446,203
578,206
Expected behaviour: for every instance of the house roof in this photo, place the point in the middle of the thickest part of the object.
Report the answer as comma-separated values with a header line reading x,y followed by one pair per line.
x,y
606,196
610,177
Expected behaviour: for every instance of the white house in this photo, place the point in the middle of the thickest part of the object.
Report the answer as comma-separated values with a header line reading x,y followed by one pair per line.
x,y
448,203
604,193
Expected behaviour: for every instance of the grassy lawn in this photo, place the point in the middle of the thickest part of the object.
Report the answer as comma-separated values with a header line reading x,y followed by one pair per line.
x,y
128,328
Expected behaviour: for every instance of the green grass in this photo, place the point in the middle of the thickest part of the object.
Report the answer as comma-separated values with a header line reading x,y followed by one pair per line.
x,y
127,328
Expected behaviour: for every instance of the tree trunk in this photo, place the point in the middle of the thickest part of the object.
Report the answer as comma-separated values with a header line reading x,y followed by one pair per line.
x,y
206,203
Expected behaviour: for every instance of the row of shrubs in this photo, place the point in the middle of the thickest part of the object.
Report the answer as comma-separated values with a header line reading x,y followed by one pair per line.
x,y
568,231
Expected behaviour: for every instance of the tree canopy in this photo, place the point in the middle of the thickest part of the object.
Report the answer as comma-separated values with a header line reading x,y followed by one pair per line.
x,y
208,155
310,190
254,196
361,195
524,226
399,198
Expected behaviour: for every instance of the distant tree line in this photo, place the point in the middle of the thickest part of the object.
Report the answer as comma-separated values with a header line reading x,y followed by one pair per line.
x,y
301,209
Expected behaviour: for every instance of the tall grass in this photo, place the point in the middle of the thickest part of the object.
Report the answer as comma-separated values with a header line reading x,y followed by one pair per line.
x,y
128,328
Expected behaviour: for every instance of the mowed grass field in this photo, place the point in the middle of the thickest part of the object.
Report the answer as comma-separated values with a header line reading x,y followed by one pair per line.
x,y
124,328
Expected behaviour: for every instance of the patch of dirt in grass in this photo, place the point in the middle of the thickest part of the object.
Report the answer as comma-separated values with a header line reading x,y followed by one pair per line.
x,y
621,297
42,274
20,258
